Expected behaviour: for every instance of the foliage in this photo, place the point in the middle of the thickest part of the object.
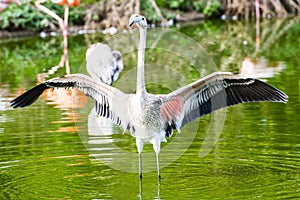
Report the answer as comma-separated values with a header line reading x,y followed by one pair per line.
x,y
208,7
212,7
149,11
19,17
27,16
199,5
24,58
176,4
152,16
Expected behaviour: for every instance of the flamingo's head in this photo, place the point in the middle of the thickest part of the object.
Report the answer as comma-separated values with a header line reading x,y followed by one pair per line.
x,y
139,20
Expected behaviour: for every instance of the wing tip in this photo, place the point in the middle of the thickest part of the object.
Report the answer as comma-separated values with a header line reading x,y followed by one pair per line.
x,y
29,97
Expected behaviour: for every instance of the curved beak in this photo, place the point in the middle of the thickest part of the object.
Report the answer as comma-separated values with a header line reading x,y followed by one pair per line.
x,y
133,19
131,22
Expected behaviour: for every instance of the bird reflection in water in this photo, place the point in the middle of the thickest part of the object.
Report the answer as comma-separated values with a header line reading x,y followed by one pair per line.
x,y
63,23
141,190
260,69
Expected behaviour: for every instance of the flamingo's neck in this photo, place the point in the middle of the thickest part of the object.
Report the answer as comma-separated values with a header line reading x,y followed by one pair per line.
x,y
140,84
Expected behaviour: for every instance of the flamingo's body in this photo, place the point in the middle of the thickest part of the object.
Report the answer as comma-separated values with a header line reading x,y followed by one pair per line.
x,y
151,118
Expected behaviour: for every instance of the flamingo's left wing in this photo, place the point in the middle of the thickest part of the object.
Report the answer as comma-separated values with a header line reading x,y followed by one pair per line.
x,y
213,92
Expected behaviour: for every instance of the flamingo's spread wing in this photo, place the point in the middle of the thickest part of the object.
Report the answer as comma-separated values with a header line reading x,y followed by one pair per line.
x,y
216,91
110,102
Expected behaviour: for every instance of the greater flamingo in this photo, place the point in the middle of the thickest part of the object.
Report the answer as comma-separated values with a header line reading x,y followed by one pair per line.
x,y
152,118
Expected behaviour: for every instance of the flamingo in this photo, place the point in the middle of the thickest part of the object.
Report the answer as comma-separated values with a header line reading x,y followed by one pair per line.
x,y
103,64
150,118
5,3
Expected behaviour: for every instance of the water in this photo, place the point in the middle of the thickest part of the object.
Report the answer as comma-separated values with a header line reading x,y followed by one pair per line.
x,y
48,151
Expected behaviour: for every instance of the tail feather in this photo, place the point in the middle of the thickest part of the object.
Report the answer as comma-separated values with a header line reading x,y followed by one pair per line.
x,y
29,97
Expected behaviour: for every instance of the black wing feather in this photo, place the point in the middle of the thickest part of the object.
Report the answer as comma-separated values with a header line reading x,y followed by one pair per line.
x,y
234,91
29,97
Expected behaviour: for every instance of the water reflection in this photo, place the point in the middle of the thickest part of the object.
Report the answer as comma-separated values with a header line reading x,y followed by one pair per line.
x,y
260,69
157,197
4,103
4,100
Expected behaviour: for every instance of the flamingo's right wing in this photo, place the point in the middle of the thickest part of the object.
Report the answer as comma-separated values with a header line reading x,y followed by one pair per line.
x,y
110,102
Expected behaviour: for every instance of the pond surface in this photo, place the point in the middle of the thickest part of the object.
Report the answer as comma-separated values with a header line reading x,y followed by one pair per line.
x,y
54,149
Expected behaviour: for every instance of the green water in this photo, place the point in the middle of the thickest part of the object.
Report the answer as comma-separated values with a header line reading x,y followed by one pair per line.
x,y
45,152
